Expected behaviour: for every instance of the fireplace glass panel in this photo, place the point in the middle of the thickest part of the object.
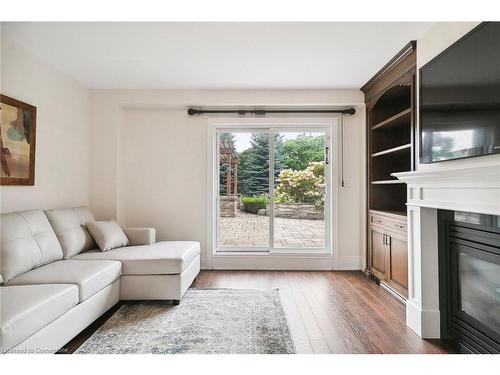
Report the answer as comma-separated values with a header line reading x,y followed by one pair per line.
x,y
480,290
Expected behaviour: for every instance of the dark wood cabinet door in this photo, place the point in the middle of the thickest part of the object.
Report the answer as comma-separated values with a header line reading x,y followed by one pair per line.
x,y
398,263
378,252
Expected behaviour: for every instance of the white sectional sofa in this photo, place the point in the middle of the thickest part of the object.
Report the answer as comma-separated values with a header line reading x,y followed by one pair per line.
x,y
56,282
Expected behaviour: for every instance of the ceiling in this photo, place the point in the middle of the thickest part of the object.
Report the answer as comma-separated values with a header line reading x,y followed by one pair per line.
x,y
215,55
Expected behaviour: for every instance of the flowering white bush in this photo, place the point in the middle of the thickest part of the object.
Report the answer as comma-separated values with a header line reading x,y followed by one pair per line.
x,y
306,186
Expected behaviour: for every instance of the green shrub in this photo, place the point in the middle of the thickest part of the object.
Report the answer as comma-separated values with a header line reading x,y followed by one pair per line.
x,y
306,186
254,204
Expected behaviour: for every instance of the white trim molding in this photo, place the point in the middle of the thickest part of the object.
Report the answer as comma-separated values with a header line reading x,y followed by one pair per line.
x,y
470,189
271,262
289,259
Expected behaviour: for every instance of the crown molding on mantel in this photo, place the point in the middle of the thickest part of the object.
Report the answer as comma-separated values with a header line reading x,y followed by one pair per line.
x,y
471,189
477,175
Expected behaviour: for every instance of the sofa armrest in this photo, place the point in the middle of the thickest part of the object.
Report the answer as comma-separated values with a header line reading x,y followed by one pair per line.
x,y
141,236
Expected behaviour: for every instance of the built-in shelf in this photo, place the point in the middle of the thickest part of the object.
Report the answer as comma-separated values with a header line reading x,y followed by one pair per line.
x,y
392,150
386,182
401,118
390,110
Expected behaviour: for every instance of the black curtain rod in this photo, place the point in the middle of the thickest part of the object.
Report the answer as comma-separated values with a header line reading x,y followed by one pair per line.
x,y
262,112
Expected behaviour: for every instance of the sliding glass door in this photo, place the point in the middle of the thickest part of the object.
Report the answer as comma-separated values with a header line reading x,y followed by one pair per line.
x,y
273,189
299,187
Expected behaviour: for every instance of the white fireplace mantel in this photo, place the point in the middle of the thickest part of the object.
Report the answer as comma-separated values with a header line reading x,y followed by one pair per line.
x,y
470,189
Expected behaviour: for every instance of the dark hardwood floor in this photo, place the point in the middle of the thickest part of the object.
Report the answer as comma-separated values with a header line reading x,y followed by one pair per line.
x,y
327,312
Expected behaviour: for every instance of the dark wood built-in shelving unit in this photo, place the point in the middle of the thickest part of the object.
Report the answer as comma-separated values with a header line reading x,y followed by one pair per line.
x,y
390,119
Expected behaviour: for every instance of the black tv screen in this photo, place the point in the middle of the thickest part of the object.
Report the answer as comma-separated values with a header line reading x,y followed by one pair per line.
x,y
460,98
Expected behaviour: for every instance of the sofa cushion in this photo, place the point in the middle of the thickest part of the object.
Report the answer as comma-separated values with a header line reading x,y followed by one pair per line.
x,y
161,258
27,309
27,241
107,234
69,226
90,277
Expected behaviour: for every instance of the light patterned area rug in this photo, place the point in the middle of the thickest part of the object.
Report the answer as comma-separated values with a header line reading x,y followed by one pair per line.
x,y
207,321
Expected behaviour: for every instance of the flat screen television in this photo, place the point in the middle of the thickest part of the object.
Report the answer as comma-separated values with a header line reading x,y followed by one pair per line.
x,y
460,98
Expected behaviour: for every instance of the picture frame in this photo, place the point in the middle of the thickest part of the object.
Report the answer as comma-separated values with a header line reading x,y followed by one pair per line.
x,y
17,142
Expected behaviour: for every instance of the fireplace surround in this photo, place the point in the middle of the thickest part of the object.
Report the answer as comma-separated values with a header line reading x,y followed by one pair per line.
x,y
474,188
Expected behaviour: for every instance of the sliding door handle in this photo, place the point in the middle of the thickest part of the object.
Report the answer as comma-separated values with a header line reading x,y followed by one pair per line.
x,y
327,155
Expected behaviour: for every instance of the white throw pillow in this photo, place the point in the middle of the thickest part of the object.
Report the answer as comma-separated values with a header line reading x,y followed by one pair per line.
x,y
107,234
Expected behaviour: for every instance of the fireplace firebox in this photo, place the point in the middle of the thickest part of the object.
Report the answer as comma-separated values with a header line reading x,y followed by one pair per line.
x,y
469,280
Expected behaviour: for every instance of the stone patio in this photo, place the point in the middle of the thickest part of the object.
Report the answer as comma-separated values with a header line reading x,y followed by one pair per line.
x,y
249,230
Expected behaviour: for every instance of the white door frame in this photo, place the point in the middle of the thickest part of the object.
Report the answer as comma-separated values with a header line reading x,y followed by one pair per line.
x,y
278,258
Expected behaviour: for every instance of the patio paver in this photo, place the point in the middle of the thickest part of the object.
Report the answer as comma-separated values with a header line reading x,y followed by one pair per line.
x,y
249,230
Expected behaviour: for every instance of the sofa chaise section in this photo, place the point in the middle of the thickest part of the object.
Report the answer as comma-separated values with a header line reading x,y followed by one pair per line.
x,y
162,270
161,258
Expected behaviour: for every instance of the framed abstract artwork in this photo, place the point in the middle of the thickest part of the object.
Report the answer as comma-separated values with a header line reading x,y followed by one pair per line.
x,y
17,142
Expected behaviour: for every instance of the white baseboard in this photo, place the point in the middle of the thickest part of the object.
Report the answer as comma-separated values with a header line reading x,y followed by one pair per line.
x,y
269,262
425,323
280,262
347,264
204,263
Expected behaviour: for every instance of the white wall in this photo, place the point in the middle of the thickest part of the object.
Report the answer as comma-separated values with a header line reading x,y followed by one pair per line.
x,y
149,162
62,133
432,43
